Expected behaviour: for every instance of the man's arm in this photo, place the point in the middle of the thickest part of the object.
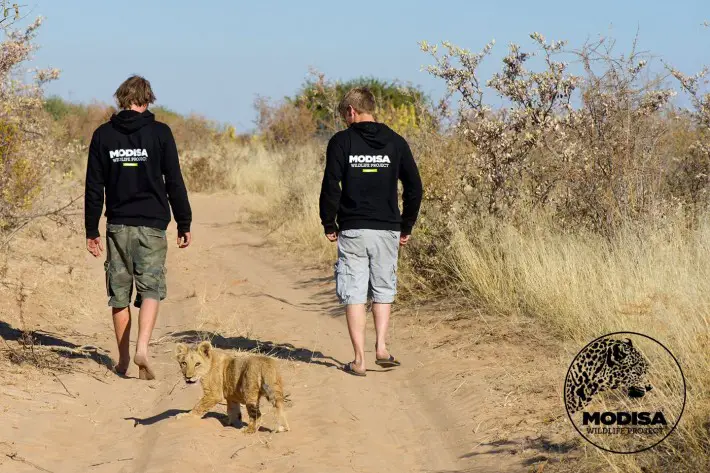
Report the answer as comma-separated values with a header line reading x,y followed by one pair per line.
x,y
412,190
330,187
175,186
94,190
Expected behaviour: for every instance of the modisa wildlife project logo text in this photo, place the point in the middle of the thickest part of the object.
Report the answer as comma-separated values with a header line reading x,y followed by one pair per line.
x,y
625,392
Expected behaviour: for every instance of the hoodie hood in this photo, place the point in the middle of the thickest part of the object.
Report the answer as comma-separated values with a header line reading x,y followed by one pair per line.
x,y
376,135
130,121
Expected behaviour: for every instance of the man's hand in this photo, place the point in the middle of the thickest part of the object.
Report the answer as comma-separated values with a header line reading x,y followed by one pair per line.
x,y
184,240
332,236
403,239
95,246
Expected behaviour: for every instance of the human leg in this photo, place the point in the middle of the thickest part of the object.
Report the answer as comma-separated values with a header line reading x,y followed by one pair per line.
x,y
351,275
119,288
122,327
149,270
383,250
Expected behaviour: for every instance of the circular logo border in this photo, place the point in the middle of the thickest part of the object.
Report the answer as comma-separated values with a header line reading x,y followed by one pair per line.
x,y
682,375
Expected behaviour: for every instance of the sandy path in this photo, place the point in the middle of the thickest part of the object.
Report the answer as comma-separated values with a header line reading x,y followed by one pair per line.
x,y
394,421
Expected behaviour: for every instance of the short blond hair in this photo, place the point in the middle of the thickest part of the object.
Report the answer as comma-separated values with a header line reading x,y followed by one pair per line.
x,y
135,90
359,98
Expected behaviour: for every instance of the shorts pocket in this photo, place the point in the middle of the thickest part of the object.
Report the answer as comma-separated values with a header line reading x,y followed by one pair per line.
x,y
119,283
342,280
394,279
107,268
351,233
154,232
163,284
114,229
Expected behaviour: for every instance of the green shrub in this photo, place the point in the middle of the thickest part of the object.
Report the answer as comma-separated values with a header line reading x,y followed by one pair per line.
x,y
58,108
321,97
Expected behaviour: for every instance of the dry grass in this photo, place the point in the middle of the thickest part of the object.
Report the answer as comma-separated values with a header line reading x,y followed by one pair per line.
x,y
650,280
279,188
43,299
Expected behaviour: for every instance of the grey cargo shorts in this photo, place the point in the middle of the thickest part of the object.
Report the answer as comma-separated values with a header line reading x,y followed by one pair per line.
x,y
366,266
135,254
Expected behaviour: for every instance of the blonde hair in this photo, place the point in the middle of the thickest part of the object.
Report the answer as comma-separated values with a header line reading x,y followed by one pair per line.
x,y
359,98
135,90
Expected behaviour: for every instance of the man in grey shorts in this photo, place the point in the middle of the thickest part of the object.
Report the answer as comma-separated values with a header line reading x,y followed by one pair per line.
x,y
359,209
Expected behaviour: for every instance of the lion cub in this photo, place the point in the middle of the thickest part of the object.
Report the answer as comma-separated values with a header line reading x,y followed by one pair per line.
x,y
239,380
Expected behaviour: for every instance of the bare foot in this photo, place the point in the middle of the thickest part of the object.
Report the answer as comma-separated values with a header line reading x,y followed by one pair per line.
x,y
144,370
122,367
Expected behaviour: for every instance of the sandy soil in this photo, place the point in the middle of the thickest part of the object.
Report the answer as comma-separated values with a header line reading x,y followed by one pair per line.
x,y
471,395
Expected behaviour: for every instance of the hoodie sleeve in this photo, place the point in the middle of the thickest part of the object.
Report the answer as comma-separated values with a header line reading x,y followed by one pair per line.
x,y
174,184
94,189
330,187
412,189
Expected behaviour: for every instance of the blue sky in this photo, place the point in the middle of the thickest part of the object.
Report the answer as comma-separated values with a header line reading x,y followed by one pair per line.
x,y
215,57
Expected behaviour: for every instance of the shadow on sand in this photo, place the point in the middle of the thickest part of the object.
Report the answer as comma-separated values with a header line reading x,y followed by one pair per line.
x,y
40,338
223,418
547,451
284,351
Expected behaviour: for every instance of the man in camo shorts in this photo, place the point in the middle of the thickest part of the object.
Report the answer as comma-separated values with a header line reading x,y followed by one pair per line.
x,y
363,166
133,159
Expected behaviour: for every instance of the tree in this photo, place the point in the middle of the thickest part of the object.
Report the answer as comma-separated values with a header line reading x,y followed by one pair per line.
x,y
27,153
401,105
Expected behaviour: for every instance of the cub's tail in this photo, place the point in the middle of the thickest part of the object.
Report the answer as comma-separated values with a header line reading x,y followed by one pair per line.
x,y
268,392
272,387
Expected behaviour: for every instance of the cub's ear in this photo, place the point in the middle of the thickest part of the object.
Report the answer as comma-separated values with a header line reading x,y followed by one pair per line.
x,y
205,348
180,350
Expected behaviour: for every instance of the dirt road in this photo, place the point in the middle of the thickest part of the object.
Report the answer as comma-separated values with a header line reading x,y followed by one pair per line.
x,y
429,415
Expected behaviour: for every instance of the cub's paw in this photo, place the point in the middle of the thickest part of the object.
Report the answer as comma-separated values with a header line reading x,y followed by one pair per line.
x,y
250,430
184,415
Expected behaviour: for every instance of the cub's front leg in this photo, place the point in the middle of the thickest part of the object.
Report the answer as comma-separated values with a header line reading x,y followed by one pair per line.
x,y
203,405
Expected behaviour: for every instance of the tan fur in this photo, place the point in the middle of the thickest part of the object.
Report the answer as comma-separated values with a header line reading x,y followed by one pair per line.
x,y
238,380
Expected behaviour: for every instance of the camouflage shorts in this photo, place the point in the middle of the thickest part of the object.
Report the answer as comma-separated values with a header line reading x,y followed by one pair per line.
x,y
135,254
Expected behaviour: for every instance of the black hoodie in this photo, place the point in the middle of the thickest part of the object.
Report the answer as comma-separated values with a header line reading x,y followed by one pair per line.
x,y
134,159
368,159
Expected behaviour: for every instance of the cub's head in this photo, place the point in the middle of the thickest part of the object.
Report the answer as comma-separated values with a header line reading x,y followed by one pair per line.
x,y
194,362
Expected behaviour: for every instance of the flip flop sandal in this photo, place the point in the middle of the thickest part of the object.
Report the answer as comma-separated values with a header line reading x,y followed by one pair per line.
x,y
387,362
348,368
